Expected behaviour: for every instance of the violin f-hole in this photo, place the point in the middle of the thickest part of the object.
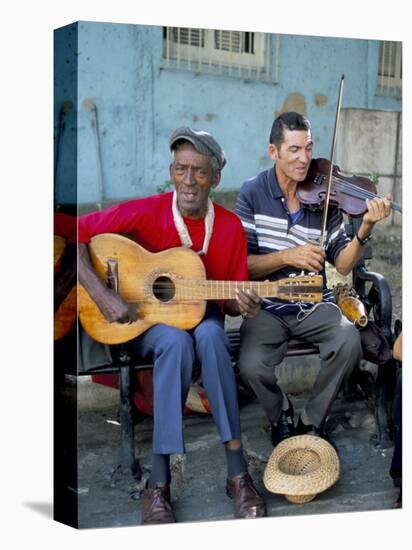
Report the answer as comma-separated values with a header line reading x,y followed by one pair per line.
x,y
322,194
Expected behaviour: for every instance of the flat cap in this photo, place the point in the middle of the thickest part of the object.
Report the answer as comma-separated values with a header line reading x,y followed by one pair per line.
x,y
203,142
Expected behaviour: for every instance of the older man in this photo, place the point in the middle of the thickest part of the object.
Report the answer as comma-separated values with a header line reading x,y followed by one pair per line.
x,y
187,217
283,238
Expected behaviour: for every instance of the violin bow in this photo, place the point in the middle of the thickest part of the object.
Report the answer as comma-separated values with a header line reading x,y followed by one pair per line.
x,y
332,151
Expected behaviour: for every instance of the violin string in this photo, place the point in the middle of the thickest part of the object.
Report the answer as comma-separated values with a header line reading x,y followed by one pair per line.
x,y
353,191
358,192
348,185
353,186
364,193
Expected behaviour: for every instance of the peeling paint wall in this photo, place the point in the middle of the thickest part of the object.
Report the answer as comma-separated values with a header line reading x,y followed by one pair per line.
x,y
124,86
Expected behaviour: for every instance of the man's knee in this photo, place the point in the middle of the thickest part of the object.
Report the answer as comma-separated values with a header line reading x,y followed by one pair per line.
x,y
247,370
177,342
345,343
210,334
252,366
350,341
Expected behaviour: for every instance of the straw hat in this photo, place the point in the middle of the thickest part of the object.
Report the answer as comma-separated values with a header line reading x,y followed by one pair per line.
x,y
301,467
197,400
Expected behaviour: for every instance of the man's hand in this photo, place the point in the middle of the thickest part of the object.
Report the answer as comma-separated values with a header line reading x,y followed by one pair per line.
x,y
397,348
248,302
378,209
310,257
114,308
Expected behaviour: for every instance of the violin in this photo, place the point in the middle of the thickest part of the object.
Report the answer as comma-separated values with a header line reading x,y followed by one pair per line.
x,y
348,192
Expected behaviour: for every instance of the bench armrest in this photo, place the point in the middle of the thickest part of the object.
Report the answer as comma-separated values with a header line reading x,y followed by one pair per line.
x,y
378,298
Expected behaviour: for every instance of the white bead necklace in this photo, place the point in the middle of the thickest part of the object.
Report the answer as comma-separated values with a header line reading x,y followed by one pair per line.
x,y
182,230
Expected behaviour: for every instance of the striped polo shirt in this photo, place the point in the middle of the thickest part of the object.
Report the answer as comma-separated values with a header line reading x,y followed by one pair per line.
x,y
270,227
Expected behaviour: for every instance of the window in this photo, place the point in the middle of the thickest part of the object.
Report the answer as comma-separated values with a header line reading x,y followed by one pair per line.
x,y
234,53
390,68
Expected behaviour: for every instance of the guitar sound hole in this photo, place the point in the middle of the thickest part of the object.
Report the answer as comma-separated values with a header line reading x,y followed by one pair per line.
x,y
163,289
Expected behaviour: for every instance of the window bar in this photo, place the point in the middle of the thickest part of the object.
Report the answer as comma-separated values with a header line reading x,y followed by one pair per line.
x,y
258,54
389,69
398,65
168,45
210,38
383,66
189,49
380,67
267,37
220,56
241,37
230,52
199,59
178,47
277,47
250,55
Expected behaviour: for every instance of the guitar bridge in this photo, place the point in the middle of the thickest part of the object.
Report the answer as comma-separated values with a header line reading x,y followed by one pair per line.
x,y
113,274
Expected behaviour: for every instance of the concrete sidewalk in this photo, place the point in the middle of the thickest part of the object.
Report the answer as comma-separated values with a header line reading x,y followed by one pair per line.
x,y
108,498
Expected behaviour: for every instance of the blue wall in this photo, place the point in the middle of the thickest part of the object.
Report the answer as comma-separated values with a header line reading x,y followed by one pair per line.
x,y
139,102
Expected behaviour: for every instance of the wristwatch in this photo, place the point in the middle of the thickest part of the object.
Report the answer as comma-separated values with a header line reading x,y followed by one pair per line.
x,y
363,241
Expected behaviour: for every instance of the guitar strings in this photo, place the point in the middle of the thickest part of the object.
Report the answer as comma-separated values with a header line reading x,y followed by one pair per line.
x,y
193,289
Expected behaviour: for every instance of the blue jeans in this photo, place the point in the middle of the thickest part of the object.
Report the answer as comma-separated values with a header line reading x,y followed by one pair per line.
x,y
173,352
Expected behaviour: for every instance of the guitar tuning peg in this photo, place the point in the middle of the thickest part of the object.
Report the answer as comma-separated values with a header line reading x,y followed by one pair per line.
x,y
292,274
302,273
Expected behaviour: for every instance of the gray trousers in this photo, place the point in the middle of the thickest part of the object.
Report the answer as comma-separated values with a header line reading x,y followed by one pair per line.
x,y
264,341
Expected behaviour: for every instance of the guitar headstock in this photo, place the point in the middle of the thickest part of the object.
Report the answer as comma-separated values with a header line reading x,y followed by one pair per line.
x,y
303,288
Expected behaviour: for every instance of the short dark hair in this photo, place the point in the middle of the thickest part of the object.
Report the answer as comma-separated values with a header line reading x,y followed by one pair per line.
x,y
289,121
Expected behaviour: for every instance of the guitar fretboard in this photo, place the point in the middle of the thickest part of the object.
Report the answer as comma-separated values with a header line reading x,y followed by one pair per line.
x,y
219,290
223,290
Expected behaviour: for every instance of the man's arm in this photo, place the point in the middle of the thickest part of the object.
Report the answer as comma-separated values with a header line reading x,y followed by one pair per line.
x,y
113,307
309,257
378,209
65,279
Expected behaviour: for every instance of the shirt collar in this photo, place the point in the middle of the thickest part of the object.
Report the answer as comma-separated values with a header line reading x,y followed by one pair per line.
x,y
273,183
274,187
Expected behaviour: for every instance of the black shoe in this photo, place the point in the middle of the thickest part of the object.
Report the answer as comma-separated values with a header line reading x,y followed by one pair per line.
x,y
310,429
284,427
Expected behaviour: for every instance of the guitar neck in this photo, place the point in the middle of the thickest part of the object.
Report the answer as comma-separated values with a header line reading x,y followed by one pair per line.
x,y
225,290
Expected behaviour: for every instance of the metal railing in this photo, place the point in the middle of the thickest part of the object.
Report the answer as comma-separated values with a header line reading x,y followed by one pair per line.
x,y
246,55
390,68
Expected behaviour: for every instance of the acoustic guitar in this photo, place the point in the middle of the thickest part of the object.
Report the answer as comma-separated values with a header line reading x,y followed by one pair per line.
x,y
168,287
65,316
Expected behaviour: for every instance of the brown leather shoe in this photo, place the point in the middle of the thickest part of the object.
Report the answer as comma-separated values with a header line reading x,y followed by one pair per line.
x,y
157,507
247,501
